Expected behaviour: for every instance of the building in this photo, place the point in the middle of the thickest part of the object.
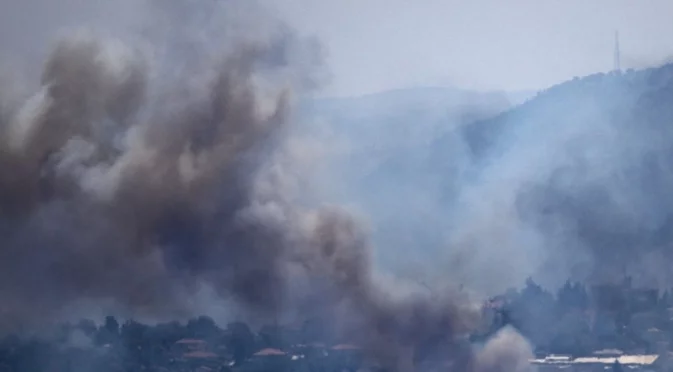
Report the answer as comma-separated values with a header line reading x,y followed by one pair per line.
x,y
648,362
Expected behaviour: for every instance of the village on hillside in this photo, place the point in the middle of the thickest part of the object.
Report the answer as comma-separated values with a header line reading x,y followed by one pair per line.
x,y
578,328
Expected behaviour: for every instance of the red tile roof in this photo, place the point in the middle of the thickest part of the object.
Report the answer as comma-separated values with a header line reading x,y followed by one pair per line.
x,y
199,354
269,351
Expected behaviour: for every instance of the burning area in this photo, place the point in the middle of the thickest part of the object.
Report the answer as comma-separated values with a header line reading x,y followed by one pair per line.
x,y
134,176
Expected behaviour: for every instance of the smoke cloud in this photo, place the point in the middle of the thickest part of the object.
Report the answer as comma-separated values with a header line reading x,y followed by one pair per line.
x,y
506,351
131,176
135,175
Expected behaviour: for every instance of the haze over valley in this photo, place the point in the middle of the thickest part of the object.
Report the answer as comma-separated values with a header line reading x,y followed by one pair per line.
x,y
269,185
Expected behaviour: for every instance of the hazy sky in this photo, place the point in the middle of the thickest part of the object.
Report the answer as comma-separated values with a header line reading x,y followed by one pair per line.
x,y
484,44
381,44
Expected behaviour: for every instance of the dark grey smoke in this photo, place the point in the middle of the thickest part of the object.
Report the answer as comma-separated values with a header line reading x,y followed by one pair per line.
x,y
109,192
134,176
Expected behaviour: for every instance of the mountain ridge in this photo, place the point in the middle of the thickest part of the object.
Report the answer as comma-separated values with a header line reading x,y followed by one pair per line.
x,y
589,163
572,182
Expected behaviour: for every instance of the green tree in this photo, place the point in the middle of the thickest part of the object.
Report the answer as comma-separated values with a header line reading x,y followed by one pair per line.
x,y
241,341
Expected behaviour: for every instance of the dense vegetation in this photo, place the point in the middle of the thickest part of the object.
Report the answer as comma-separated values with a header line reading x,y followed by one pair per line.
x,y
175,346
580,319
577,320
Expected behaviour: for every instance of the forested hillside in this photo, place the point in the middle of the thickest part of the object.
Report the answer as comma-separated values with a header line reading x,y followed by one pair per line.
x,y
591,162
574,182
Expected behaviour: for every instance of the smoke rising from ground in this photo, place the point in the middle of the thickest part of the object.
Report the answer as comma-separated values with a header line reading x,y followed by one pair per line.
x,y
134,176
506,351
572,184
109,192
137,174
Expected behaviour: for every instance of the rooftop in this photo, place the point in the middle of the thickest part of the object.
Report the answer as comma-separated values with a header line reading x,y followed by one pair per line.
x,y
199,355
646,359
268,352
611,352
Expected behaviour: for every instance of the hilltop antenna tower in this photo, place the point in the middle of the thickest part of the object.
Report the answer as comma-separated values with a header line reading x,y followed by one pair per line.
x,y
617,62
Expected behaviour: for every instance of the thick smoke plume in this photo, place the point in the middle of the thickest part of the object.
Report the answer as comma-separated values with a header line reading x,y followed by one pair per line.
x,y
109,192
138,179
128,180
507,351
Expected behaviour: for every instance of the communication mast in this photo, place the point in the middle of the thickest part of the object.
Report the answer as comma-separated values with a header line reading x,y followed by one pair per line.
x,y
617,63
